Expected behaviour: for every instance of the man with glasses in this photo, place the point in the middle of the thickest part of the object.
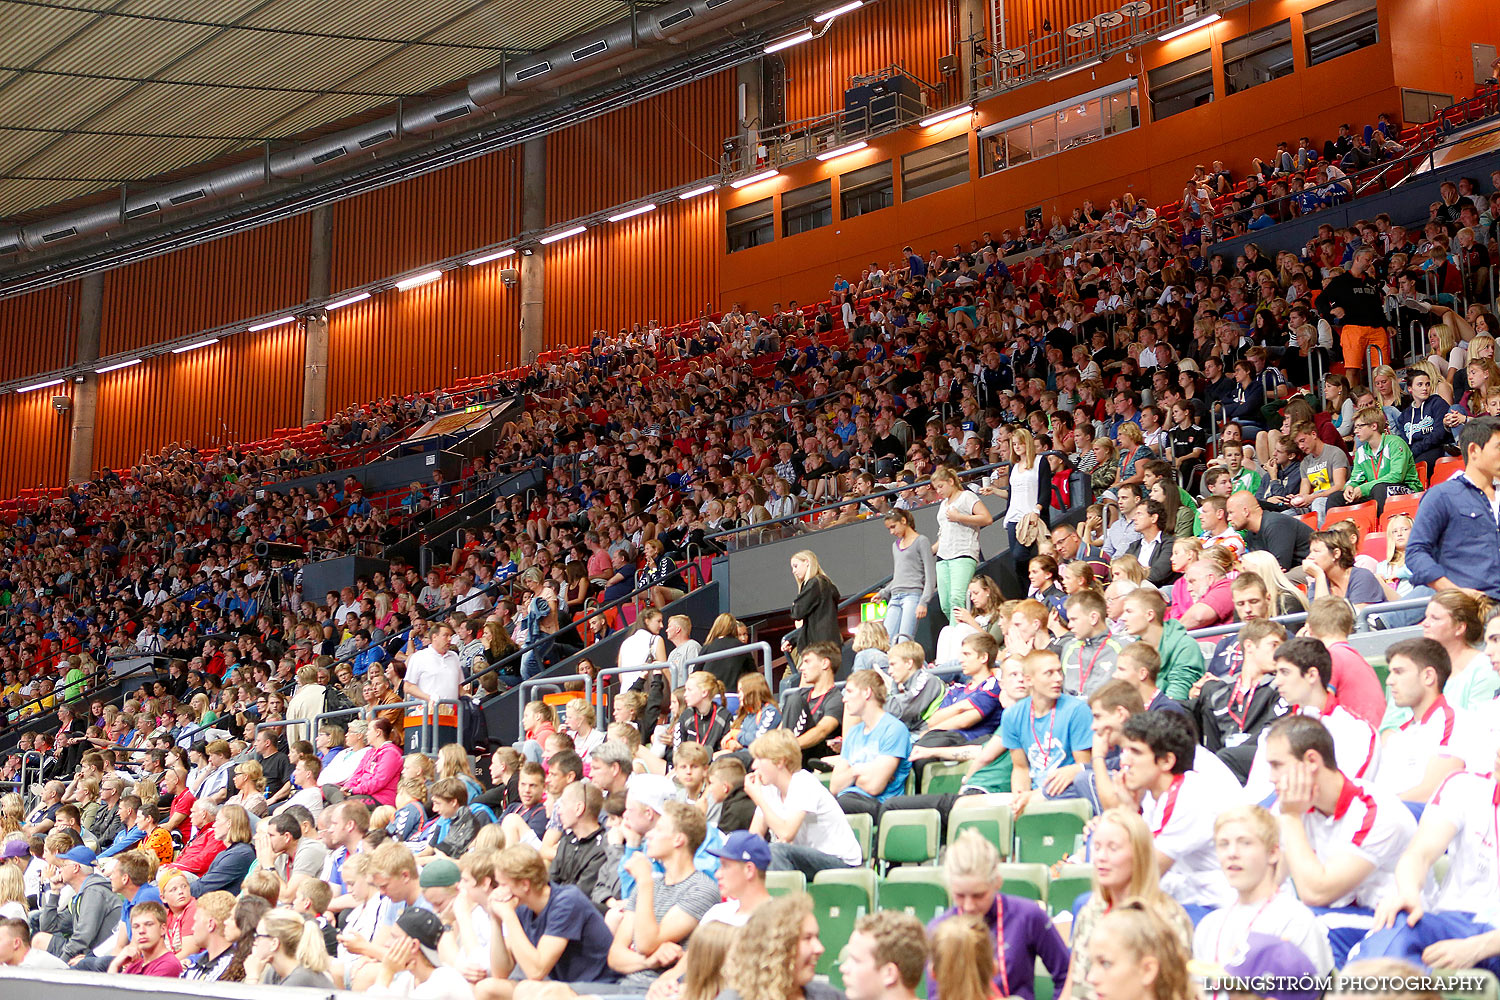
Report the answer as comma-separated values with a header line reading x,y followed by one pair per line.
x,y
1383,465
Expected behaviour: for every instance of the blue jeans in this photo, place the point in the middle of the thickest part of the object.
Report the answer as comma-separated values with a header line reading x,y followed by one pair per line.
x,y
1413,616
1408,943
807,860
901,615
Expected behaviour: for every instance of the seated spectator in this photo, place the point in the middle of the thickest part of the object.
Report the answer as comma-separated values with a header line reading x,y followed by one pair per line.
x,y
87,920
288,951
1231,712
1181,659
811,832
1286,538
884,958
875,757
581,850
1382,466
229,866
1439,739
1355,685
16,950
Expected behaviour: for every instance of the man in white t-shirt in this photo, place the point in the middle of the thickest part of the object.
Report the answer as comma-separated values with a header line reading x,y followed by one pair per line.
x,y
1461,928
1438,740
810,829
1179,805
1340,839
433,673
1248,843
16,949
1302,674
641,647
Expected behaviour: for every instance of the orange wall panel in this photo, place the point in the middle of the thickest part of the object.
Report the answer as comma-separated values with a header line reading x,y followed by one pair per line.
x,y
37,330
425,219
1431,42
238,390
248,274
663,265
660,143
428,337
912,34
36,442
1028,20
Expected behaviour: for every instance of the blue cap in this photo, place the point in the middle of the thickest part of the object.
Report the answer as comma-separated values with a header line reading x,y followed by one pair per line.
x,y
742,845
81,855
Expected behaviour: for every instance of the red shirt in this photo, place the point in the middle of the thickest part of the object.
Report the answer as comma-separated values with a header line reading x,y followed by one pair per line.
x,y
1355,685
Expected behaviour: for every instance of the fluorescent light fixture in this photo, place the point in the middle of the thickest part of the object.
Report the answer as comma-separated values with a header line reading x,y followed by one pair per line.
x,y
695,192
278,321
1079,69
1187,28
341,303
554,237
41,385
764,175
194,346
115,368
486,258
834,154
946,116
631,213
829,15
418,280
788,42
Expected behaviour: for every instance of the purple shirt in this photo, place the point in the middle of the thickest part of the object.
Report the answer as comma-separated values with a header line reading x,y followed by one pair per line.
x,y
1029,935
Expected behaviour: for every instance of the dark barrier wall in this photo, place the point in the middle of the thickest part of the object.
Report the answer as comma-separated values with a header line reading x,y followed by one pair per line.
x,y
854,556
1406,204
391,474
320,577
701,605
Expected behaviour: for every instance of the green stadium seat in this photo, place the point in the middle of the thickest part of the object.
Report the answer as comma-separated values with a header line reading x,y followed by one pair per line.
x,y
992,820
919,890
782,883
1028,881
909,836
1489,986
943,778
863,825
837,905
1064,888
862,879
1048,829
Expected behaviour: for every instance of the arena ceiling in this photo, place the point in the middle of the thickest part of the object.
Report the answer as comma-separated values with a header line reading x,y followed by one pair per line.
x,y
98,93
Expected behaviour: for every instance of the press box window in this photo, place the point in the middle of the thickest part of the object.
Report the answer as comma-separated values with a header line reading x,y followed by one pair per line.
x,y
868,189
1057,129
1182,85
1339,28
935,168
750,225
807,208
1259,57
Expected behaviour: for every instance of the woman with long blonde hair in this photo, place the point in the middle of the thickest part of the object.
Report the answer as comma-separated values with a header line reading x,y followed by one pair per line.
x,y
1135,956
1125,867
775,955
703,964
963,960
1286,599
816,607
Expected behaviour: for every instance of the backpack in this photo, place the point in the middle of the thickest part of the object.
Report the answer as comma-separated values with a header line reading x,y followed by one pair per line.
x,y
335,700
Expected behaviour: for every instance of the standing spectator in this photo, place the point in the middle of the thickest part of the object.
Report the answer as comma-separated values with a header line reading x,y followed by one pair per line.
x,y
433,673
1356,298
815,609
960,516
913,577
1455,541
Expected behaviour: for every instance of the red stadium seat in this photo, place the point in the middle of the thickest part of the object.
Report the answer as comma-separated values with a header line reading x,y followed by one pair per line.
x,y
1399,505
1362,515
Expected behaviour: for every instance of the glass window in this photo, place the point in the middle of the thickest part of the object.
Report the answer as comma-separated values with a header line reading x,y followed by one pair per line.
x,y
1182,85
1044,136
868,189
807,208
1080,124
750,225
935,168
1259,57
1338,28
1059,129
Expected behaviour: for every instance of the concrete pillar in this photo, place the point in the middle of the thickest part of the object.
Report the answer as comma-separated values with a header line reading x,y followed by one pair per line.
x,y
533,266
750,91
85,393
315,341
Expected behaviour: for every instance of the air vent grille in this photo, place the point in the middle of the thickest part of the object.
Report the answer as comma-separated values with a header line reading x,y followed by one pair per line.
x,y
530,72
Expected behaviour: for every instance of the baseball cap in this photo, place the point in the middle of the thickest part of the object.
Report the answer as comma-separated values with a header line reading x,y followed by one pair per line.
x,y
440,872
651,790
81,855
423,927
16,847
742,845
1275,967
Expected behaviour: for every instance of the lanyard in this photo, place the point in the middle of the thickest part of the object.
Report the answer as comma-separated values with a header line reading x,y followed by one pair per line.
x,y
1244,703
1219,940
1000,945
1044,749
712,715
1083,679
1171,804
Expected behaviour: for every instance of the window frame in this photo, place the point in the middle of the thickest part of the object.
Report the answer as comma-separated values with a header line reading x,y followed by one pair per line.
x,y
1317,32
750,218
959,145
1157,80
855,189
1258,43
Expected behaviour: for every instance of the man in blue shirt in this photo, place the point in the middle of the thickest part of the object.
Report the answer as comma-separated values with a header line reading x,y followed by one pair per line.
x,y
1049,734
876,755
1455,540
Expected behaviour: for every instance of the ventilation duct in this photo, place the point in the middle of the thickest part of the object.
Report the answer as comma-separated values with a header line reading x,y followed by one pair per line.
x,y
578,58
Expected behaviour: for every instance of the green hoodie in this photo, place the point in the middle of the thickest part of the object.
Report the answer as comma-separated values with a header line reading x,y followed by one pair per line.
x,y
1181,661
1388,462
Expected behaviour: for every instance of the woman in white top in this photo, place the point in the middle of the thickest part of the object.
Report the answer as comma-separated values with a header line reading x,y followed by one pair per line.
x,y
960,516
1026,494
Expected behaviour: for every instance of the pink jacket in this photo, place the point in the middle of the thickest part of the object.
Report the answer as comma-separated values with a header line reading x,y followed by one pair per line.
x,y
377,774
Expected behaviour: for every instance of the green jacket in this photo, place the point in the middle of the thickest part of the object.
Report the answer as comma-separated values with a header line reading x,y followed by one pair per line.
x,y
1191,504
1389,462
1181,661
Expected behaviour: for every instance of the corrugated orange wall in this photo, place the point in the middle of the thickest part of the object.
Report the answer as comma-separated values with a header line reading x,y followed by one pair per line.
x,y
234,278
36,442
400,342
240,389
913,34
37,330
663,265
1027,20
428,218
659,143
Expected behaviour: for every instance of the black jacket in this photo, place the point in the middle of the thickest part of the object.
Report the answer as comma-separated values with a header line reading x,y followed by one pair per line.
x,y
817,607
1160,571
578,861
736,812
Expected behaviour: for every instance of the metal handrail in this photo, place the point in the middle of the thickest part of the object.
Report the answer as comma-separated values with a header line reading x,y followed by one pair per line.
x,y
760,648
430,734
1362,615
1369,365
1215,631
549,681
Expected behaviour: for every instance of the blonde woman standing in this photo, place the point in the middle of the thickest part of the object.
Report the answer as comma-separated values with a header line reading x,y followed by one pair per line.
x,y
815,610
960,516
